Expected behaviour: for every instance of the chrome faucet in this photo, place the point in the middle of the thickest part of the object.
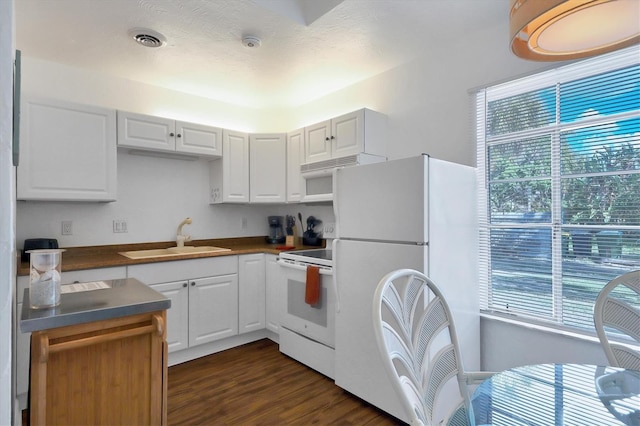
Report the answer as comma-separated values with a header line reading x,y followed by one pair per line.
x,y
180,237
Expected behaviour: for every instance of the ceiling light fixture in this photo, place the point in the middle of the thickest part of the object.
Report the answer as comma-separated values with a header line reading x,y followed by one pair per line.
x,y
147,37
251,41
558,30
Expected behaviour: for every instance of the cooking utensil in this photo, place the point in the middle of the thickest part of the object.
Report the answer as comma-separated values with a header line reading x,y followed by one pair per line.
x,y
291,222
300,218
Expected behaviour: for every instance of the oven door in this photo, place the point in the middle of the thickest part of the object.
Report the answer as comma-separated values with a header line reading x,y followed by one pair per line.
x,y
316,322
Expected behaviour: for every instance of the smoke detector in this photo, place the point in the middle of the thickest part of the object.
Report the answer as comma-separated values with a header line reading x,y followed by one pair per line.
x,y
147,38
251,41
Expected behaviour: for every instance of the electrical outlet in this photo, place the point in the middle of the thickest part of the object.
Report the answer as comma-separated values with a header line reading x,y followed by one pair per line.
x,y
329,230
119,226
67,227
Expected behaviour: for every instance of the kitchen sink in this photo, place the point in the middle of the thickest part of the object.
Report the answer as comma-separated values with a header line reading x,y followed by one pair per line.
x,y
171,251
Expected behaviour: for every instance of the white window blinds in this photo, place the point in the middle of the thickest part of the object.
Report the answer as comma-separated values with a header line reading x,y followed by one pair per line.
x,y
559,161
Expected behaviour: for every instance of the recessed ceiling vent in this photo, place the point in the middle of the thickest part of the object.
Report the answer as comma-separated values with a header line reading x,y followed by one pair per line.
x,y
147,37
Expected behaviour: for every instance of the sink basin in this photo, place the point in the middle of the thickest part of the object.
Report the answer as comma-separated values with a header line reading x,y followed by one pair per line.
x,y
171,251
192,249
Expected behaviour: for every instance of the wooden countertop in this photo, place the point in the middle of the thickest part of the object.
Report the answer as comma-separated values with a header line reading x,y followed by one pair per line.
x,y
93,257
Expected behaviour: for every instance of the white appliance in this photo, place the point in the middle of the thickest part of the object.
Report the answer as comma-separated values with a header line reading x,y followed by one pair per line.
x,y
317,178
414,213
307,332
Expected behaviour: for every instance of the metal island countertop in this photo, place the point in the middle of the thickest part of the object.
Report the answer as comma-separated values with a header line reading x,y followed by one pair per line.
x,y
117,298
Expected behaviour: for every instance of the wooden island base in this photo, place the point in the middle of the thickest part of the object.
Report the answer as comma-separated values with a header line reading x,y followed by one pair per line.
x,y
109,372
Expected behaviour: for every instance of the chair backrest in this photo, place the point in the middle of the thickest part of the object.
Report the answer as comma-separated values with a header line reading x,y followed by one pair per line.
x,y
417,339
617,308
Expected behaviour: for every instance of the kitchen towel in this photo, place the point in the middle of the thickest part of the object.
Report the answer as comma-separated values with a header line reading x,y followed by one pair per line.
x,y
312,291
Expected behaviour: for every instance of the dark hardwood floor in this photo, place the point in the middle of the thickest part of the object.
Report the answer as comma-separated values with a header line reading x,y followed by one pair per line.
x,y
255,384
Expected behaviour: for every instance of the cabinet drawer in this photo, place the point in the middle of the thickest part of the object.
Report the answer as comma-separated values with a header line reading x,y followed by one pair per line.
x,y
161,272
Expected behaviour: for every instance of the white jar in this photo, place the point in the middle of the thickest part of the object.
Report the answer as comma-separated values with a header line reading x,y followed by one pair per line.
x,y
45,278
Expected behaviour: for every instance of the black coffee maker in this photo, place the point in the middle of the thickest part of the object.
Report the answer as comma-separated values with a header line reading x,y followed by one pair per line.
x,y
276,233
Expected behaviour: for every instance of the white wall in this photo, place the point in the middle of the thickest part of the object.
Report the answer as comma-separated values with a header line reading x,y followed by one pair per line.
x,y
428,106
7,207
154,194
506,344
427,100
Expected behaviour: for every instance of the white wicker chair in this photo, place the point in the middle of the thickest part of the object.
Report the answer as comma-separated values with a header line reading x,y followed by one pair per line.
x,y
417,340
618,309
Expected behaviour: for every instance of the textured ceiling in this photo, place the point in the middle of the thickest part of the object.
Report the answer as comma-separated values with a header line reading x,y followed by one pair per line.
x,y
309,47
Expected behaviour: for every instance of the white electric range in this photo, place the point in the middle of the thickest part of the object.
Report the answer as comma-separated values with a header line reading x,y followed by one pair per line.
x,y
307,332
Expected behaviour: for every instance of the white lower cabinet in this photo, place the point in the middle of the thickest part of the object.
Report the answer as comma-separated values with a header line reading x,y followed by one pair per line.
x,y
23,340
204,298
177,315
274,284
251,291
213,309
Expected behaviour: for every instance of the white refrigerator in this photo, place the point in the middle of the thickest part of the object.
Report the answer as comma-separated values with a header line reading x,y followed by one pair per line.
x,y
417,213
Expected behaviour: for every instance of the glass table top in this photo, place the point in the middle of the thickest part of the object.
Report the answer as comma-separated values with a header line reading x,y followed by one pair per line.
x,y
559,394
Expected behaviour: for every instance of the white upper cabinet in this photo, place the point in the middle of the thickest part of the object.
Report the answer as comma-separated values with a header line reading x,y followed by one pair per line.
x,y
362,131
295,157
198,139
68,152
317,142
268,168
162,134
229,175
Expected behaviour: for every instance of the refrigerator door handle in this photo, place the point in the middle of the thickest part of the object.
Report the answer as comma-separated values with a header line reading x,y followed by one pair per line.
x,y
334,248
334,189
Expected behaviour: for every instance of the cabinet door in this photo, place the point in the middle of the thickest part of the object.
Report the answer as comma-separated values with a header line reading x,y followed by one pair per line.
x,y
146,132
274,285
230,174
295,157
268,163
68,152
213,309
198,139
177,315
251,292
347,134
317,142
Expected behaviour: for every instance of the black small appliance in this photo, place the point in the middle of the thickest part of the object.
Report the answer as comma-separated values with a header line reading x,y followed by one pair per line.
x,y
276,234
37,244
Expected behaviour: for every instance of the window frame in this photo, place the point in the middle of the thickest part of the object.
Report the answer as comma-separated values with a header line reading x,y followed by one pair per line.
x,y
482,97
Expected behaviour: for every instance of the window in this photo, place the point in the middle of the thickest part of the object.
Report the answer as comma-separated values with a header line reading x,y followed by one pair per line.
x,y
559,207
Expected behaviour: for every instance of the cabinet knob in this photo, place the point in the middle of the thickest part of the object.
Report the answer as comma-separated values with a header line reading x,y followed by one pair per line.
x,y
327,138
172,134
184,284
193,283
333,137
179,135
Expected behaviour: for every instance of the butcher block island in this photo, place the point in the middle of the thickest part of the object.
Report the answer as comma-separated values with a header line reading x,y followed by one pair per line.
x,y
100,357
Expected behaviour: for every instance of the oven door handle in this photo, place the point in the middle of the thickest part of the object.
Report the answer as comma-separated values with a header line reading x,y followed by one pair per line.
x,y
298,267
